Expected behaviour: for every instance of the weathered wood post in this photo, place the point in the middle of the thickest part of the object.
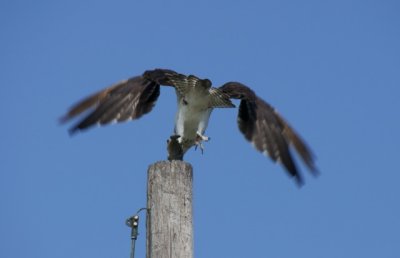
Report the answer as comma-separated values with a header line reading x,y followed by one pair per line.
x,y
169,215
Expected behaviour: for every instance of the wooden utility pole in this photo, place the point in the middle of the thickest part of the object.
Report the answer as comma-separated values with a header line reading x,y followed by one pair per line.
x,y
169,215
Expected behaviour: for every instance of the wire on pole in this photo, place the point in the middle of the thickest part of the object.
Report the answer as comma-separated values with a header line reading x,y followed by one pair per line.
x,y
133,223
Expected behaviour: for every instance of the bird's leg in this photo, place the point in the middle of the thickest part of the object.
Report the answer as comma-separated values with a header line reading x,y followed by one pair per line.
x,y
201,137
199,141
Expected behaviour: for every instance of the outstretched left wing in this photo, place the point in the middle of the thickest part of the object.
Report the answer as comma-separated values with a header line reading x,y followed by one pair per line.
x,y
267,130
126,100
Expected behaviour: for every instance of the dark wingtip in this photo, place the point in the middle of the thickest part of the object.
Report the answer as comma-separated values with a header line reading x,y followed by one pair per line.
x,y
310,164
295,174
62,120
299,180
315,171
73,130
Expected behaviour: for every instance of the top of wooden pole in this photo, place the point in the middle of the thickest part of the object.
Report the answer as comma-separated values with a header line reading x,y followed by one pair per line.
x,y
172,166
169,215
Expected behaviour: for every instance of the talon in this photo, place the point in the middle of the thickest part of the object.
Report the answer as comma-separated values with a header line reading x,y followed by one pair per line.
x,y
199,142
200,145
201,138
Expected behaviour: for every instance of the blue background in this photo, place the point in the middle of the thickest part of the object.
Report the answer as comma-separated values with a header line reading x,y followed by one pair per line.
x,y
330,67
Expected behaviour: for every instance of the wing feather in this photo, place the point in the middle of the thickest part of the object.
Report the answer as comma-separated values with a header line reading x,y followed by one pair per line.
x,y
267,130
128,99
90,101
218,99
171,78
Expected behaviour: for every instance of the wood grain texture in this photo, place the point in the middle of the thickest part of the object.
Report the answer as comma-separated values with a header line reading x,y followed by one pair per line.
x,y
169,203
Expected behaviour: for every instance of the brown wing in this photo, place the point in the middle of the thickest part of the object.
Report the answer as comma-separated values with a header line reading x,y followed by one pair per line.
x,y
129,99
123,101
267,130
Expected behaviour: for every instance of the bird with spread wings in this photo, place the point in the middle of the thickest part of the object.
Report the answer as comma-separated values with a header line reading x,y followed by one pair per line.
x,y
259,122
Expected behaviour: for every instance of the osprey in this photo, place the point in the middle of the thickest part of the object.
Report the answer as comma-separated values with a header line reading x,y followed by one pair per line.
x,y
258,121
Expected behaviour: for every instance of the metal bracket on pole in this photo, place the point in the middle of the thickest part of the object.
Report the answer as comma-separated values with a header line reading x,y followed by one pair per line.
x,y
133,222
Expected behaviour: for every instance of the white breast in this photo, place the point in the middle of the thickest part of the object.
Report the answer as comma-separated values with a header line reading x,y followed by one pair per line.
x,y
192,117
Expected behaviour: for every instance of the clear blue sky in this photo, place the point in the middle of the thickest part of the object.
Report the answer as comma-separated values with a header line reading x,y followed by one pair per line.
x,y
332,68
